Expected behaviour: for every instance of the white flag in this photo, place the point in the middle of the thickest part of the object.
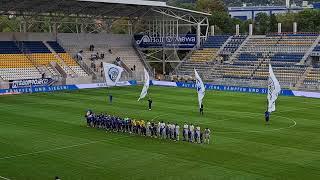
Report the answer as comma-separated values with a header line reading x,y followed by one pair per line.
x,y
200,87
112,73
273,90
145,88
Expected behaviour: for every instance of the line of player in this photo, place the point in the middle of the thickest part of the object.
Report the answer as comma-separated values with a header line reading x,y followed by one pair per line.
x,y
152,129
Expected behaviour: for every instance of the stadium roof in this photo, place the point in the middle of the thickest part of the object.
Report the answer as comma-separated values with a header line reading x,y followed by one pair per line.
x,y
101,8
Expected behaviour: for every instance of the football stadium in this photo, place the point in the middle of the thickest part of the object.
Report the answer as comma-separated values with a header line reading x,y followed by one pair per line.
x,y
136,89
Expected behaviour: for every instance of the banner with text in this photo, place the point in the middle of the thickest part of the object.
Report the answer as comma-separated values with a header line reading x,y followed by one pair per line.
x,y
30,82
41,89
180,41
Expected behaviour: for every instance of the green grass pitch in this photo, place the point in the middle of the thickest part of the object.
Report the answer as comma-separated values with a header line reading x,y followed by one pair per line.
x,y
45,135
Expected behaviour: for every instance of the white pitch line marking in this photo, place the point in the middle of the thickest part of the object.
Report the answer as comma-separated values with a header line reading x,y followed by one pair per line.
x,y
250,131
47,150
1,177
55,149
276,129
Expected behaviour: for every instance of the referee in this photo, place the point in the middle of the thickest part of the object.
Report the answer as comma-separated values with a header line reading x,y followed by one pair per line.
x,y
201,109
150,104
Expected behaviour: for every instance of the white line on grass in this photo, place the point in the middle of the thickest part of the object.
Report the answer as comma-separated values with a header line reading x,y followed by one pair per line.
x,y
48,150
277,129
294,123
1,177
55,149
159,116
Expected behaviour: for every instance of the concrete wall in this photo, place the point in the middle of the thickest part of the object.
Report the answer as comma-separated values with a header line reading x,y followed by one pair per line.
x,y
79,80
8,36
4,84
82,40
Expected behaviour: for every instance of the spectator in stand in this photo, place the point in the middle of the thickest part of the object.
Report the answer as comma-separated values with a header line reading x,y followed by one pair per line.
x,y
118,61
110,51
79,55
91,48
95,67
134,67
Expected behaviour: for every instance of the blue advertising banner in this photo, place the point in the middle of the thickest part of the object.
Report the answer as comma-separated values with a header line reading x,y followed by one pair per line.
x,y
285,92
180,41
39,89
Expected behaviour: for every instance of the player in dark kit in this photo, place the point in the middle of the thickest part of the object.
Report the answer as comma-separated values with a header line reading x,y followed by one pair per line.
x,y
150,104
110,98
201,109
267,116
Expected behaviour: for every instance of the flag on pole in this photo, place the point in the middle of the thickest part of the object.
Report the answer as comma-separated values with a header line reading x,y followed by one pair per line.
x,y
145,88
112,73
200,87
273,90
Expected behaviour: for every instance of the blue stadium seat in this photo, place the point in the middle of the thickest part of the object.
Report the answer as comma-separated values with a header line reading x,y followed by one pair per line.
x,y
317,48
286,57
215,41
35,47
56,47
9,47
233,44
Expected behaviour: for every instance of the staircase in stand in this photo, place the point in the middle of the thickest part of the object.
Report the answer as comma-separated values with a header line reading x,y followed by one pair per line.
x,y
303,77
65,67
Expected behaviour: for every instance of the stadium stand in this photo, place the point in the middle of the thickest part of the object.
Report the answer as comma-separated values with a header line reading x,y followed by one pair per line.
x,y
316,50
233,44
67,62
251,58
202,58
113,46
209,49
31,59
43,56
14,64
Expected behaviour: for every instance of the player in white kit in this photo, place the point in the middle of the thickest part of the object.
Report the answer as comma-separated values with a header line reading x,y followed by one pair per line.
x,y
177,132
172,131
185,132
158,129
207,136
148,132
191,129
163,130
